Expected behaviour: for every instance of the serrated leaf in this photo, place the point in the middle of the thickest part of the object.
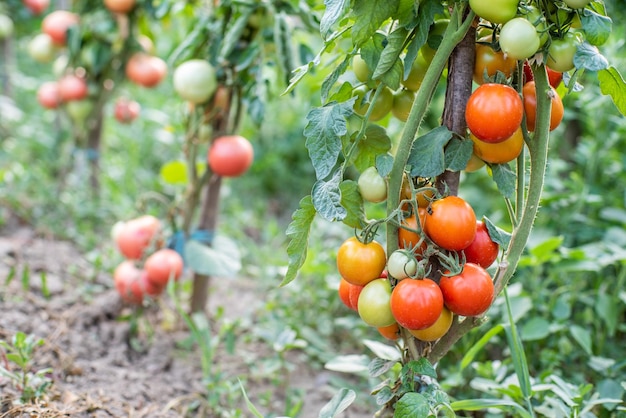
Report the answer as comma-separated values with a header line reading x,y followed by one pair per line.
x,y
327,199
298,233
505,179
457,153
497,235
344,93
221,260
421,367
597,27
374,143
612,83
412,404
333,12
352,201
427,158
323,134
588,57
332,78
174,172
339,403
384,164
369,15
391,53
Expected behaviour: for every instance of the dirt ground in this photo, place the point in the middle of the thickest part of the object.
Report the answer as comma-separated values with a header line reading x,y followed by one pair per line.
x,y
97,372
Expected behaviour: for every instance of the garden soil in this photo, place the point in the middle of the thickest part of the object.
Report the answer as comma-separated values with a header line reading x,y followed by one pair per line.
x,y
98,370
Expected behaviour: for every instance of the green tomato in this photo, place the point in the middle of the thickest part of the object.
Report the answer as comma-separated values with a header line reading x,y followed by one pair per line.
x,y
6,26
41,48
401,264
361,70
79,110
519,39
402,104
382,106
435,35
562,51
372,185
534,16
373,305
495,11
417,73
577,4
195,81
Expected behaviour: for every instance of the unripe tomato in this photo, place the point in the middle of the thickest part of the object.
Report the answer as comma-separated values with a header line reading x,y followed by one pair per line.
x,y
451,223
373,305
360,68
490,61
372,186
120,6
6,26
72,87
402,103
126,111
360,263
195,80
56,25
469,293
474,164
562,51
230,155
534,16
577,4
402,264
137,235
79,110
494,112
436,330
519,39
482,251
145,70
495,11
48,95
500,152
390,332
435,35
163,265
41,48
416,303
416,75
382,107
530,106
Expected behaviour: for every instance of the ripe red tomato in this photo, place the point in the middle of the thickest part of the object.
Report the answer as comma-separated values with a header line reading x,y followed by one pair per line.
x,y
72,87
230,155
163,265
126,278
469,293
149,288
373,305
490,61
119,6
436,330
530,107
48,95
360,263
554,77
145,70
494,112
416,304
137,235
500,152
451,223
36,6
56,25
482,251
195,80
409,239
126,111
344,293
390,332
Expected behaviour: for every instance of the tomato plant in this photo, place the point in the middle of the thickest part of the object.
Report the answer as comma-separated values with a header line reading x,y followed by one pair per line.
x,y
451,223
230,155
483,250
360,263
530,106
416,303
373,304
494,112
469,293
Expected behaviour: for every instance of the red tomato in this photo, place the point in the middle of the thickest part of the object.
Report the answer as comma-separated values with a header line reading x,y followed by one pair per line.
x,y
119,6
490,61
145,70
554,77
37,6
344,292
126,111
48,95
390,332
137,235
360,263
469,293
409,239
149,288
530,107
416,304
56,25
482,251
127,282
451,223
163,265
230,155
72,87
494,112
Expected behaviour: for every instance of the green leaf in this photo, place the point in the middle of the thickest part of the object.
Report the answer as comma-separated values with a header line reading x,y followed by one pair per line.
x,y
369,15
174,172
497,235
582,337
457,153
588,57
298,233
384,164
333,12
517,351
375,142
327,199
505,179
234,33
344,93
607,310
332,78
483,404
427,158
406,12
323,133
412,404
422,367
535,329
339,403
380,366
352,201
253,410
352,363
390,55
597,27
221,260
612,83
478,345
383,351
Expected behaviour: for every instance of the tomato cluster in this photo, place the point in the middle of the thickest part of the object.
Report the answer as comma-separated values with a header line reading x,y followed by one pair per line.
x,y
403,296
139,240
